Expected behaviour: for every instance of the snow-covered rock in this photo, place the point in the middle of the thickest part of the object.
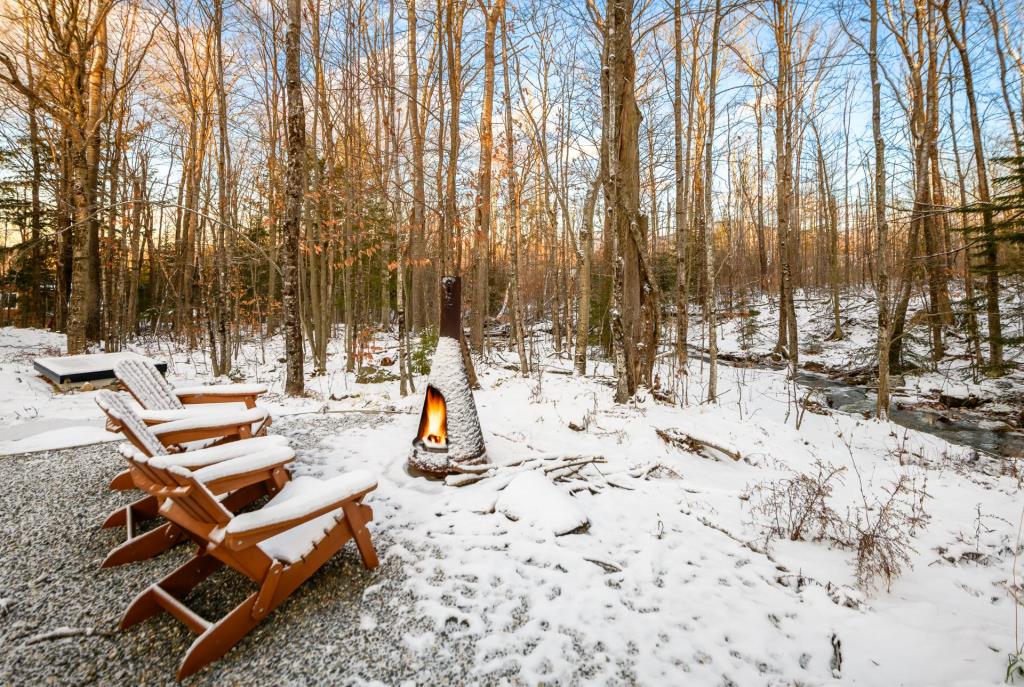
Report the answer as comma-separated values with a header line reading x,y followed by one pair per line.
x,y
533,498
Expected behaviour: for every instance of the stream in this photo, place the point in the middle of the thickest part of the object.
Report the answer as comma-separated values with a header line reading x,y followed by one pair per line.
x,y
955,426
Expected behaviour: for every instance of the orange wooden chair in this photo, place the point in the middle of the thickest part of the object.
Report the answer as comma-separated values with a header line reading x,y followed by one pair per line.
x,y
162,402
174,430
278,546
264,473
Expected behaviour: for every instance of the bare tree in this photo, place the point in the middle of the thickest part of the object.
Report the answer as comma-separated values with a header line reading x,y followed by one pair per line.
x,y
295,188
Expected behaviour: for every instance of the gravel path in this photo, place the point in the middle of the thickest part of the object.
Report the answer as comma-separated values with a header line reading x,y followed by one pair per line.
x,y
344,626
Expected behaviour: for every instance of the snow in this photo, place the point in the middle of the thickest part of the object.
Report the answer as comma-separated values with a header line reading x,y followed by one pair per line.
x,y
147,385
251,462
230,452
293,544
670,583
74,434
89,362
305,496
532,498
118,407
212,417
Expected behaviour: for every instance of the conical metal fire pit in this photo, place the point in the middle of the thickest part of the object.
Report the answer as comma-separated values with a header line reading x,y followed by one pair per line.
x,y
449,430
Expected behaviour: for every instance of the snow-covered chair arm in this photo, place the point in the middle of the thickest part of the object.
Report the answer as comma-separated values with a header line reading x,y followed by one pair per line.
x,y
158,417
221,393
218,424
315,500
256,462
203,457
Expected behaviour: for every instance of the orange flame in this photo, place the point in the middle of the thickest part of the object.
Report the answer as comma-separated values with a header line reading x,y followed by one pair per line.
x,y
434,424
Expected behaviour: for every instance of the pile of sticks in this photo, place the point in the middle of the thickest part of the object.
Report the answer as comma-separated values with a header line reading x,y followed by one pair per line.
x,y
558,468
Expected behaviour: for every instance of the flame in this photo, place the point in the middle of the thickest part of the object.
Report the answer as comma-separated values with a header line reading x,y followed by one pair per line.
x,y
434,426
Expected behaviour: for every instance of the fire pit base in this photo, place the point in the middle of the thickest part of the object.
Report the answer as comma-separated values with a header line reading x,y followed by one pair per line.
x,y
413,471
430,461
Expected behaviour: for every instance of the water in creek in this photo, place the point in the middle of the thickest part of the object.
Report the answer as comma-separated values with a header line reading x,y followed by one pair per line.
x,y
849,398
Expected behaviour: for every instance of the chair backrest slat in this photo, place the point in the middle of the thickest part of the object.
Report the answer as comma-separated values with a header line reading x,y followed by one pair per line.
x,y
199,499
196,501
118,409
147,385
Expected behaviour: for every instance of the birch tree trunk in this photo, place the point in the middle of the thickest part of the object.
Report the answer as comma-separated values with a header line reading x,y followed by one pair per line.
x,y
709,223
515,231
583,289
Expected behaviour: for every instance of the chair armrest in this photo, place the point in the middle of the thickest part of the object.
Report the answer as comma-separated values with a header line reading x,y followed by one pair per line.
x,y
221,393
247,529
234,473
203,457
158,417
209,426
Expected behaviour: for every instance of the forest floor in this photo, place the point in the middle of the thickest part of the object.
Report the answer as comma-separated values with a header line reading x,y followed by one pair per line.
x,y
680,576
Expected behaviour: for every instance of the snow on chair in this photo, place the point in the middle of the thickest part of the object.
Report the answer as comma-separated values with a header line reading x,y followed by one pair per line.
x,y
278,546
264,474
156,395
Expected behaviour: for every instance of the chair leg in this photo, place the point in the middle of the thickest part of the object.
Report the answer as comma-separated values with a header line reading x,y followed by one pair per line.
x,y
357,515
261,430
143,509
229,630
158,540
145,545
122,481
178,584
218,639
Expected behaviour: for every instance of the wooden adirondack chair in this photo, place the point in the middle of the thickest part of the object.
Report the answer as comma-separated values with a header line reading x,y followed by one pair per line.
x,y
278,547
155,394
265,473
173,430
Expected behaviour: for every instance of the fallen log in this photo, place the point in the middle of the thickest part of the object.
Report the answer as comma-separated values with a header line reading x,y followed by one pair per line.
x,y
688,442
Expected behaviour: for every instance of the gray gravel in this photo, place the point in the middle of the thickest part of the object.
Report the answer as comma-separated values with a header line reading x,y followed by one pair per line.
x,y
51,545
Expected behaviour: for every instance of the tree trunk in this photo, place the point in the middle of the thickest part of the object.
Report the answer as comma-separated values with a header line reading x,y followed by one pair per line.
x,y
295,187
514,201
991,250
708,215
632,323
583,289
481,245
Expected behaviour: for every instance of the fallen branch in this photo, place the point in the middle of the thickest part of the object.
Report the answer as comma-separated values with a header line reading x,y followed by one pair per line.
x,y
552,466
688,442
64,633
607,567
338,411
644,471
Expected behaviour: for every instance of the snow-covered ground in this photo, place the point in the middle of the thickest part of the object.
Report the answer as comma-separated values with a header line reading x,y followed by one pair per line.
x,y
753,329
671,580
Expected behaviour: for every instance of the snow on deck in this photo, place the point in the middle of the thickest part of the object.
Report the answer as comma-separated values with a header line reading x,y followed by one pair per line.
x,y
87,367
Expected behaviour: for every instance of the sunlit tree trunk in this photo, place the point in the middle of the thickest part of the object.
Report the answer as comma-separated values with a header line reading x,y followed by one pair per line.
x,y
295,187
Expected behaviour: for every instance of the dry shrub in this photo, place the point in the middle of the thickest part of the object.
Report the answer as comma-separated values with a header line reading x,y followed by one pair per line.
x,y
881,532
796,508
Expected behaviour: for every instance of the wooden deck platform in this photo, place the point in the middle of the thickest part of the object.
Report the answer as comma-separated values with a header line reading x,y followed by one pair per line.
x,y
97,368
